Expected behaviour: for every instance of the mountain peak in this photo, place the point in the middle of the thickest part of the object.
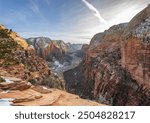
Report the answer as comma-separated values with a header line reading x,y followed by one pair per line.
x,y
8,33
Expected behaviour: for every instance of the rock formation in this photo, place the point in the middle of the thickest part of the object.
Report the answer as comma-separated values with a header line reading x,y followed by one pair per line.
x,y
26,79
48,49
61,56
23,63
116,69
52,50
17,92
6,33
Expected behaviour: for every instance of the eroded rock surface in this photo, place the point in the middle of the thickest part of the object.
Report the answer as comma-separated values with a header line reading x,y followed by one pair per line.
x,y
22,62
37,95
116,67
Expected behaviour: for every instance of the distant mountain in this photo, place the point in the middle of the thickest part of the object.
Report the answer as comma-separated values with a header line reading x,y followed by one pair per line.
x,y
52,49
60,55
48,49
74,47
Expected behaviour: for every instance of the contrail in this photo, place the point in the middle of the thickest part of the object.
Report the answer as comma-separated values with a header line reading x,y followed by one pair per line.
x,y
95,11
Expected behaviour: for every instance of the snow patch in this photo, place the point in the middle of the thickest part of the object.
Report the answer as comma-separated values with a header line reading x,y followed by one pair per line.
x,y
8,80
57,64
44,87
6,101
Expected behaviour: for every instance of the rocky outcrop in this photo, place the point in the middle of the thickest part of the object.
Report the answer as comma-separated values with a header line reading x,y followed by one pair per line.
x,y
8,33
111,36
36,95
24,64
21,85
115,70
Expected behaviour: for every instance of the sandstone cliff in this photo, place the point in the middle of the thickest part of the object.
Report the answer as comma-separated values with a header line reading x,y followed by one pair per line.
x,y
52,50
48,49
61,56
116,68
136,47
6,33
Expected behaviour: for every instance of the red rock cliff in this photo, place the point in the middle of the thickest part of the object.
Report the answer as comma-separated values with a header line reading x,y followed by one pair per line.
x,y
116,68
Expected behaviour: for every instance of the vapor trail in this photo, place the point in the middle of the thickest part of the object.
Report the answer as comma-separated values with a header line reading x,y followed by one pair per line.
x,y
95,11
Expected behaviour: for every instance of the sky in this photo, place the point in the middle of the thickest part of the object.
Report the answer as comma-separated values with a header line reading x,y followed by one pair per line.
x,y
75,21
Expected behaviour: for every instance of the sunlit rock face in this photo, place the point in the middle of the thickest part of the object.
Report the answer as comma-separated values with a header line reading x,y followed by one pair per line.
x,y
9,33
24,63
116,69
61,56
48,49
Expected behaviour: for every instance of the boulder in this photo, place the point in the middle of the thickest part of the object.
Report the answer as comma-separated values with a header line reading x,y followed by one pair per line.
x,y
26,99
6,86
21,86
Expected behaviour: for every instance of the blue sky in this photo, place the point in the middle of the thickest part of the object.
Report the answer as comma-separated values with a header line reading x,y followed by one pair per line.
x,y
73,21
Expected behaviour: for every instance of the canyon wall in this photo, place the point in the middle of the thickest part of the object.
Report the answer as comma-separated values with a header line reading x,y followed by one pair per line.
x,y
115,70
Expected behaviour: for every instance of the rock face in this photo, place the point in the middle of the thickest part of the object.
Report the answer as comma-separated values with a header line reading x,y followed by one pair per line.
x,y
23,63
61,56
48,49
74,47
115,70
70,61
6,33
22,93
136,47
52,50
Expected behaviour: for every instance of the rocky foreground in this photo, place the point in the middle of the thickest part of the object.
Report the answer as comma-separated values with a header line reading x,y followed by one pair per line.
x,y
23,93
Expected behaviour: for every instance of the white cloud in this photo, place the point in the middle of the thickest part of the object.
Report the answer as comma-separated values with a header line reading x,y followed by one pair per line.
x,y
36,9
95,11
78,25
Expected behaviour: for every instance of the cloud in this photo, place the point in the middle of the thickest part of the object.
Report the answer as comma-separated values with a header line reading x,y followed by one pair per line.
x,y
67,37
78,25
95,11
48,2
35,8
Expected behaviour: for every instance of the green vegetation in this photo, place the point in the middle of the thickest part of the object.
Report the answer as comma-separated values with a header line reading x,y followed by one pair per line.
x,y
8,49
5,33
1,80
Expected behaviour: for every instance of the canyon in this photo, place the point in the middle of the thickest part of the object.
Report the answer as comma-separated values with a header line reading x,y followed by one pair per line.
x,y
60,56
116,66
26,79
114,69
